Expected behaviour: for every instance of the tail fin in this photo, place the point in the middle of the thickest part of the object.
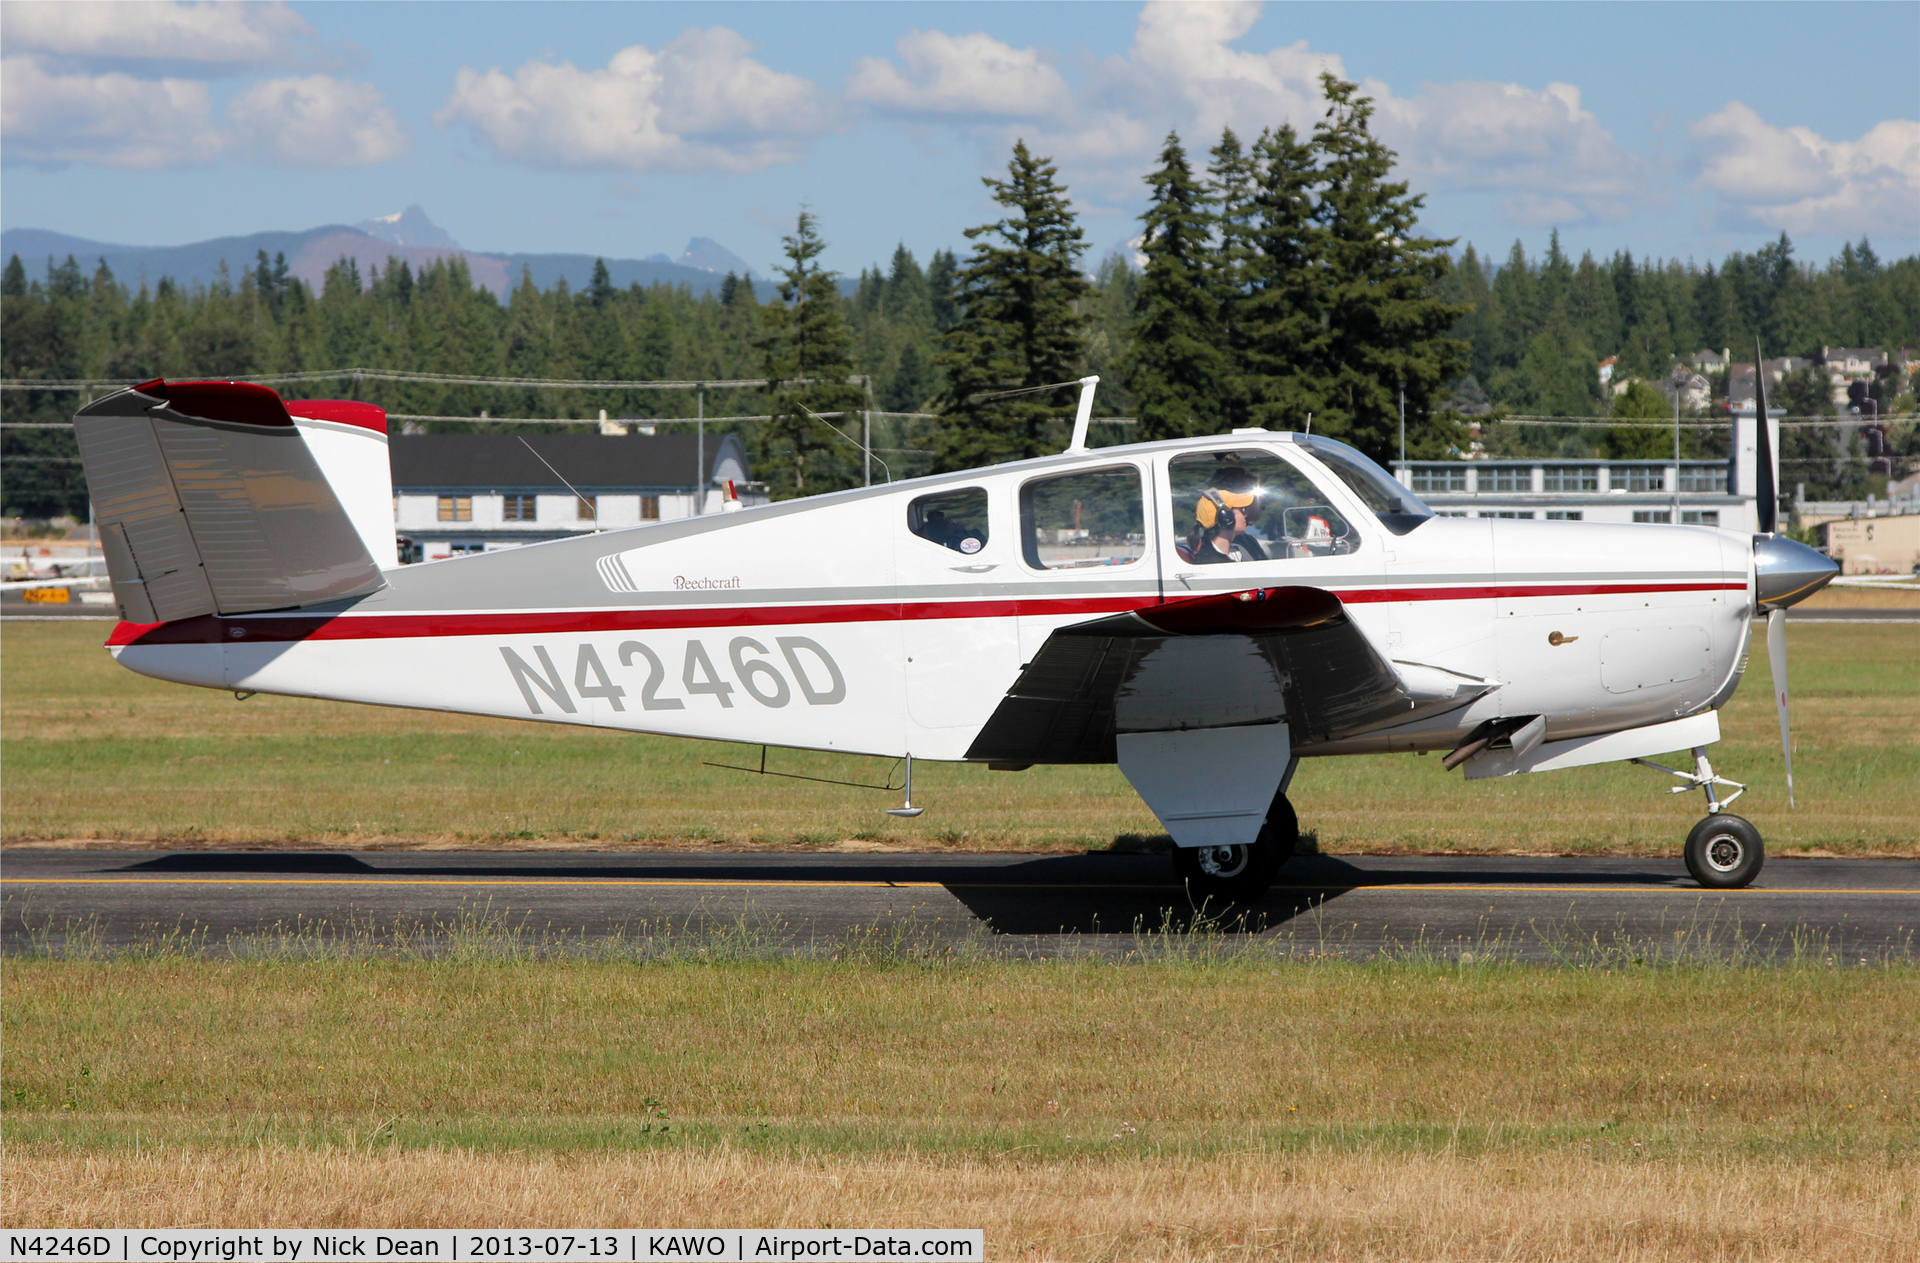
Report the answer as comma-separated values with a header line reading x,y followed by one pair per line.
x,y
210,502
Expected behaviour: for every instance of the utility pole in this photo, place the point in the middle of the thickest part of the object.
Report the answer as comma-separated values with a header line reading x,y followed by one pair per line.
x,y
700,451
1676,452
1403,426
866,433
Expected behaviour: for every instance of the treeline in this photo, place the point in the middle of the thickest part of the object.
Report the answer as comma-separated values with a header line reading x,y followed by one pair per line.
x,y
1285,278
1538,327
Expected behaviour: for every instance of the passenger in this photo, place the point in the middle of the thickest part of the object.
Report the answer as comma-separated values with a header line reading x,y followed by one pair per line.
x,y
1221,519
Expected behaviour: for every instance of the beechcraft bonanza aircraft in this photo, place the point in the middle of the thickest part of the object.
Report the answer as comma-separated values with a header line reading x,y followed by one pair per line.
x,y
1205,612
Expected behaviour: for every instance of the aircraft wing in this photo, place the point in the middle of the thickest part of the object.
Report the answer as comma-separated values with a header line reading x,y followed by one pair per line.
x,y
1267,655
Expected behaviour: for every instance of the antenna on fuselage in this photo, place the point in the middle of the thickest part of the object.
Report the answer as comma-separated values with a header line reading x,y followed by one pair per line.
x,y
593,505
1082,417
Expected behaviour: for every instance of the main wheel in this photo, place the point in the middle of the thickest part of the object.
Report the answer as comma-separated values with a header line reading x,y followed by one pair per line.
x,y
1240,873
1724,852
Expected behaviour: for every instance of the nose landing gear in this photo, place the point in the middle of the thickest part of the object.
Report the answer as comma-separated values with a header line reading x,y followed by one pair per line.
x,y
1724,851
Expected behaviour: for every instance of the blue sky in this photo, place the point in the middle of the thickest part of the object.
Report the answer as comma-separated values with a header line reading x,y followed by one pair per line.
x,y
621,129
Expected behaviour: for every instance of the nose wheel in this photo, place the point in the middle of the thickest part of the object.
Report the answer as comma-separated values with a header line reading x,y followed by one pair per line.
x,y
1240,873
1724,851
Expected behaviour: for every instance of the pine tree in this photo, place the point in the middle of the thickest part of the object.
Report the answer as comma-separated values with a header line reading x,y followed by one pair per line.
x,y
1280,323
1235,176
1384,328
1176,366
1020,324
808,352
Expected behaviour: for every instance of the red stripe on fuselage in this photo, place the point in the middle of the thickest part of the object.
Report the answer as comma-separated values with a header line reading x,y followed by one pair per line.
x,y
272,628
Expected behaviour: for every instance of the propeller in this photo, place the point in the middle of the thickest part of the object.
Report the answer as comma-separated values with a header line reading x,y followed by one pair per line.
x,y
1777,659
1778,559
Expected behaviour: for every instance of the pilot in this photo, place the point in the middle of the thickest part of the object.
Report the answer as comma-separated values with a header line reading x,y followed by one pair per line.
x,y
1221,518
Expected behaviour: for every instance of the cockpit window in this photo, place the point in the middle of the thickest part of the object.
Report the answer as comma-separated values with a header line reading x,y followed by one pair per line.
x,y
952,519
1251,505
1398,509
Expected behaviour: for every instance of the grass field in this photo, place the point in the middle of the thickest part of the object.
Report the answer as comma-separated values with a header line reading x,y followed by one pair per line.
x,y
94,752
1167,1109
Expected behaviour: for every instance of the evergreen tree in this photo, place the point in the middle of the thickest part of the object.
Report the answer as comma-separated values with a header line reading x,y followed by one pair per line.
x,y
1235,178
808,361
1020,323
1385,328
1281,323
1176,366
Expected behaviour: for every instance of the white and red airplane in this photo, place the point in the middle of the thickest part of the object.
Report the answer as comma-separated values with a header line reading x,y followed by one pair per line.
x,y
1205,612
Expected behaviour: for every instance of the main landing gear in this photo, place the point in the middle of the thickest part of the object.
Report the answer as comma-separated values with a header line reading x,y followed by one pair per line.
x,y
1240,873
1724,851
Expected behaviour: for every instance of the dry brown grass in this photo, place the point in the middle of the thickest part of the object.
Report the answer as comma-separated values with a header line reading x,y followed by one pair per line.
x,y
1300,1205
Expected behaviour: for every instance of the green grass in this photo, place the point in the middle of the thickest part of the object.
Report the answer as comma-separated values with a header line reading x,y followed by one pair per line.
x,y
95,752
960,1058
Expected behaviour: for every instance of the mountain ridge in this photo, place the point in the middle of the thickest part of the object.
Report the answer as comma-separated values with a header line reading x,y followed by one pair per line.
x,y
407,236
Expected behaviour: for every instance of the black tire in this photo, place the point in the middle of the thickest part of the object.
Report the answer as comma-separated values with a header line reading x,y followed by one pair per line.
x,y
1222,875
1725,852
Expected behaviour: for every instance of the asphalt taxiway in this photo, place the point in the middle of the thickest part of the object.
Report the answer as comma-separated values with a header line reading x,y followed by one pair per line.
x,y
1526,907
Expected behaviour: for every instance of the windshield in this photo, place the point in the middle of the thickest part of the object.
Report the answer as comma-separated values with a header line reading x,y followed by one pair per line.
x,y
1398,509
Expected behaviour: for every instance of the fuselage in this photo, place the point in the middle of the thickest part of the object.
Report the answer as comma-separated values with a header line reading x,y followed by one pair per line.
x,y
867,622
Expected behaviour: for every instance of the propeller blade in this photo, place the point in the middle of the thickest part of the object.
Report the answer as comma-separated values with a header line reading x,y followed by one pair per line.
x,y
1767,498
1777,660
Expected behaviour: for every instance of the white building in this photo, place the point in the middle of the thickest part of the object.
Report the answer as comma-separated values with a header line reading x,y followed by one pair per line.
x,y
1707,493
467,493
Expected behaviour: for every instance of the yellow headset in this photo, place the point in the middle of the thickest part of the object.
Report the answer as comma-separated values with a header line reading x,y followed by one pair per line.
x,y
1215,505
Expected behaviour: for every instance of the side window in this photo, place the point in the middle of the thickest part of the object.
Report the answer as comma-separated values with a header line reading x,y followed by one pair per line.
x,y
952,519
1095,518
1251,506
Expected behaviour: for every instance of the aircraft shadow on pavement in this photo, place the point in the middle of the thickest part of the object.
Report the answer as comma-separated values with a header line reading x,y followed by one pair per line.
x,y
1092,893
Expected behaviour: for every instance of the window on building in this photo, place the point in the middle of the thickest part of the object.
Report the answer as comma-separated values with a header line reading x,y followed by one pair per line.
x,y
519,508
1442,478
1640,477
1565,515
1653,515
1096,518
951,519
1281,512
455,508
1571,478
587,508
649,508
1510,513
1506,478
1700,517
1703,478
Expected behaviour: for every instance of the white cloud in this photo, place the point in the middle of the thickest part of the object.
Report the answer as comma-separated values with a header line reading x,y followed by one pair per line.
x,y
1561,163
1794,179
316,121
1181,58
961,74
113,120
209,37
700,102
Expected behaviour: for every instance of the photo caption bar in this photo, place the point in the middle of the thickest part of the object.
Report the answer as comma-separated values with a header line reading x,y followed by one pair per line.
x,y
542,1245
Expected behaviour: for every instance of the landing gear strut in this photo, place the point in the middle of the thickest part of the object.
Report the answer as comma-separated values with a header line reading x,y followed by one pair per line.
x,y
1240,873
1724,851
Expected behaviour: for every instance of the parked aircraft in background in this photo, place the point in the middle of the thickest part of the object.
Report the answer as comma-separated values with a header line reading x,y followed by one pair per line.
x,y
1204,612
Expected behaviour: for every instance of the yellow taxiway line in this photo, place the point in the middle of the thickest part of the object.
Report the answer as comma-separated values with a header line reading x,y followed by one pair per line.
x,y
1434,887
